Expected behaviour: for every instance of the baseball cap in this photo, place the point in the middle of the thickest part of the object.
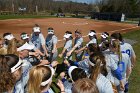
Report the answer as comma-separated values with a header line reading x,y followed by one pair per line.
x,y
36,29
9,37
26,46
24,36
92,33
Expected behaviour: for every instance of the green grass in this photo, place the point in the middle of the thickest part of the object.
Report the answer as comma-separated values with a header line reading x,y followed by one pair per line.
x,y
134,81
4,17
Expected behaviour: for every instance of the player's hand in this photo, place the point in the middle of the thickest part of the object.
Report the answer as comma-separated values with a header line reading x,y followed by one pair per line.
x,y
44,62
54,63
46,53
62,74
68,54
122,86
76,51
60,55
61,86
66,62
54,50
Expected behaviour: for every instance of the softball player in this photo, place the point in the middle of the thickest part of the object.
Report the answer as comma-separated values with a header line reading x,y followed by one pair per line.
x,y
104,45
67,45
38,40
125,47
120,61
40,79
51,42
78,44
25,37
92,38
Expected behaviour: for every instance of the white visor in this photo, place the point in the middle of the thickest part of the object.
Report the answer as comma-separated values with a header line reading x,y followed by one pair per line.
x,y
9,37
47,81
24,36
36,29
67,35
103,36
70,71
50,31
26,46
17,66
92,33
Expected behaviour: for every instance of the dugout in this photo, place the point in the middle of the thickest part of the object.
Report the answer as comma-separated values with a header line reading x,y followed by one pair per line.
x,y
106,16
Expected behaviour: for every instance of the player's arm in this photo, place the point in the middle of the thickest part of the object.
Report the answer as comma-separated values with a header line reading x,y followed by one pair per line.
x,y
133,57
83,48
43,45
54,44
69,53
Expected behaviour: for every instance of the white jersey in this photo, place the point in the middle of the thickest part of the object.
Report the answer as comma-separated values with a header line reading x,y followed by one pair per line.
x,y
111,65
125,63
127,48
68,47
103,84
79,42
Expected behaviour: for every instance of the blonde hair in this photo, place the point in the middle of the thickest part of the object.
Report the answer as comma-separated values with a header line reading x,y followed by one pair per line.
x,y
37,75
84,85
116,44
12,46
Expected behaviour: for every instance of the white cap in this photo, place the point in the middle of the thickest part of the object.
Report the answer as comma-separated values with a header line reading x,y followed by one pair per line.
x,y
24,36
103,35
92,33
47,81
9,37
36,29
17,66
26,46
70,71
67,35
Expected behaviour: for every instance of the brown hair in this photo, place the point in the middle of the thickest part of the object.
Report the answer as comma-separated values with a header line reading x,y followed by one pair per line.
x,y
3,50
37,75
84,85
100,65
7,81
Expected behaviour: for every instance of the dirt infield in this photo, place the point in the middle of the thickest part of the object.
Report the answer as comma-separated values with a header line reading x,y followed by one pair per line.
x,y
17,26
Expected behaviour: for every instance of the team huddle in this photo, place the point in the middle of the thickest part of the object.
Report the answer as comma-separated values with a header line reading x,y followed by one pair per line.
x,y
30,65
